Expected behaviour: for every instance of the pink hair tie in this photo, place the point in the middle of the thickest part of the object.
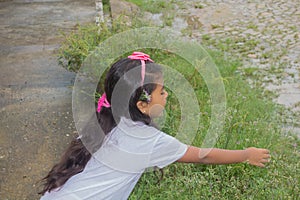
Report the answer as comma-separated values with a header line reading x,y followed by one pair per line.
x,y
102,102
142,57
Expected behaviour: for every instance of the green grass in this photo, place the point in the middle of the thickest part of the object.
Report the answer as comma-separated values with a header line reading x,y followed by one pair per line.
x,y
239,45
153,6
166,7
81,42
251,120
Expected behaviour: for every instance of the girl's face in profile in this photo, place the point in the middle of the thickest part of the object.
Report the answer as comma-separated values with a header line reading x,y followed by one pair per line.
x,y
158,101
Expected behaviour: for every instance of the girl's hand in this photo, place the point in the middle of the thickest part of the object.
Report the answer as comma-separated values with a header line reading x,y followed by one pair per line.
x,y
257,157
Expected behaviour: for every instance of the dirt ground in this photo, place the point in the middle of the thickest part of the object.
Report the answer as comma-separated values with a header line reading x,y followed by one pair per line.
x,y
35,104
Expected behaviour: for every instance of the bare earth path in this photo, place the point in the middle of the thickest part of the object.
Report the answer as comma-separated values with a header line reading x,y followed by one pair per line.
x,y
35,106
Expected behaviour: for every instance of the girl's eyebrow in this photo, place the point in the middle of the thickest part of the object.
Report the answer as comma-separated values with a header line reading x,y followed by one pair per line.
x,y
162,88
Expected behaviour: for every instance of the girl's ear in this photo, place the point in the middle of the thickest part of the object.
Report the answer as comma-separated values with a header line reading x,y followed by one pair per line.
x,y
142,106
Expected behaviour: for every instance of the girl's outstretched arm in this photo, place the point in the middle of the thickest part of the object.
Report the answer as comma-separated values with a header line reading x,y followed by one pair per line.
x,y
252,155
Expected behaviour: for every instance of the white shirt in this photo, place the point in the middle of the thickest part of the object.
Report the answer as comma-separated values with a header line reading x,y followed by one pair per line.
x,y
116,167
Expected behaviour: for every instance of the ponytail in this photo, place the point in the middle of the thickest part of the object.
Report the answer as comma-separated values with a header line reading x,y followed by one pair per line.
x,y
77,155
72,162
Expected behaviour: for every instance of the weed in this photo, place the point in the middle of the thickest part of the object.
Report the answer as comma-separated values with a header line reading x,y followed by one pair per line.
x,y
84,39
266,55
253,26
187,32
215,26
294,28
168,18
153,6
206,37
78,45
250,71
199,6
106,6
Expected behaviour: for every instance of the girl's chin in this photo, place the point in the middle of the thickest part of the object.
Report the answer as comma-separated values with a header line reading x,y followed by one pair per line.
x,y
156,115
156,111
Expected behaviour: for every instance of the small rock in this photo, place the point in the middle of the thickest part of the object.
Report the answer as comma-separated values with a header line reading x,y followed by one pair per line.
x,y
122,7
252,56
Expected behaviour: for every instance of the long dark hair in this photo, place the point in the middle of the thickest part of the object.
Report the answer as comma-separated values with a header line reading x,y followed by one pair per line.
x,y
77,155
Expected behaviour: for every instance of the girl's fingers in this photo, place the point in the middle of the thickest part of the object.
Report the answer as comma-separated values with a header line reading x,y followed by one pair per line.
x,y
267,156
266,151
260,165
265,160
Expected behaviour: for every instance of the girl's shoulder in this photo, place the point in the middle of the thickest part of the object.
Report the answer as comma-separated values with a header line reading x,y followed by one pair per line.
x,y
136,129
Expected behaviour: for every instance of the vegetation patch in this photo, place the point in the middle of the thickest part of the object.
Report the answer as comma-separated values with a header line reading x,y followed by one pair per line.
x,y
153,6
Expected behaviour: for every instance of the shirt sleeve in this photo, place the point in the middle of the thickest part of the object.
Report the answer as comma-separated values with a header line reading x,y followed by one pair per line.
x,y
166,150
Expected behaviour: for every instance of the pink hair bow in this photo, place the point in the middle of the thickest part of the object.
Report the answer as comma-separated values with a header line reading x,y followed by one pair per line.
x,y
102,102
142,57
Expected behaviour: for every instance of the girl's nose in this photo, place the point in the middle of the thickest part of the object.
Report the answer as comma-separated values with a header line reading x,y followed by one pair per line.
x,y
167,94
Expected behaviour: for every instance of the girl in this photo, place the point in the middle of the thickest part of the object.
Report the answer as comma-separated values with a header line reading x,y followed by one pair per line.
x,y
134,95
